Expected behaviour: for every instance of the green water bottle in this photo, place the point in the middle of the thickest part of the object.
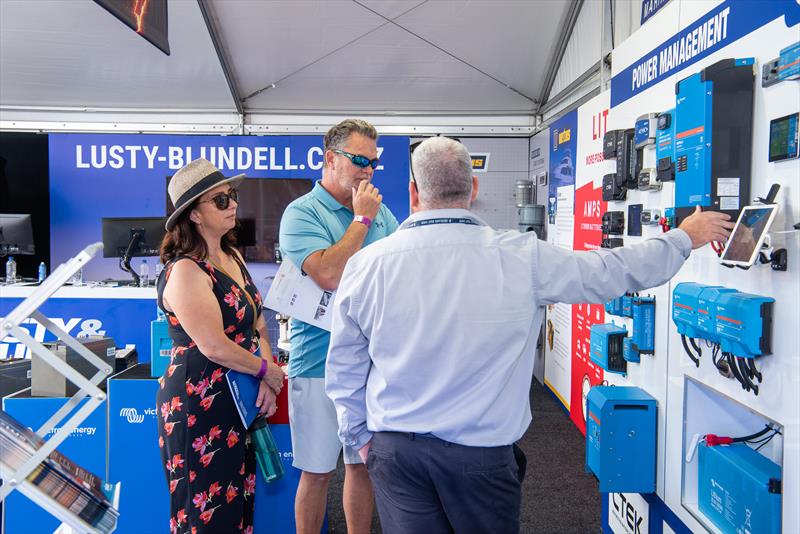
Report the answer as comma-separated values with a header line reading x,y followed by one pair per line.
x,y
267,455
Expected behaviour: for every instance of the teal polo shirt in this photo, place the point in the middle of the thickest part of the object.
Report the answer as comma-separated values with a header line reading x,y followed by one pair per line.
x,y
313,222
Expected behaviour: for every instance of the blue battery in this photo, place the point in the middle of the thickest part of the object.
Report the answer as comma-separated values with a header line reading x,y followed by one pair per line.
x,y
738,489
644,324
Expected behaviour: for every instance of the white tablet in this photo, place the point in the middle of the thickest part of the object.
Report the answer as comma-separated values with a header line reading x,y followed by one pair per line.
x,y
748,235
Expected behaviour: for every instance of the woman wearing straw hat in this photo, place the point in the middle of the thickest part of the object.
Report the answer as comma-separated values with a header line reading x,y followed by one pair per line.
x,y
215,321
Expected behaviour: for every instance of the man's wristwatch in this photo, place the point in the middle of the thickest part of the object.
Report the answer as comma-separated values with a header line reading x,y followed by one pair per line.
x,y
363,220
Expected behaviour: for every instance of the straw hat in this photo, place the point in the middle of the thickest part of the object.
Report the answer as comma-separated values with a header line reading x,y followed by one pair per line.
x,y
191,181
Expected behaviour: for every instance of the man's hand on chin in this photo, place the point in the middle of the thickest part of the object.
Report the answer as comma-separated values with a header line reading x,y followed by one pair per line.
x,y
363,451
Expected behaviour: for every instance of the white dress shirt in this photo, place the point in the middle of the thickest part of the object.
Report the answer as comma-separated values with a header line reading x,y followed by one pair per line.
x,y
435,327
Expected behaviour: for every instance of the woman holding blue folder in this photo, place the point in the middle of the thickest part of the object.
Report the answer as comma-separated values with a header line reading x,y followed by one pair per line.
x,y
215,322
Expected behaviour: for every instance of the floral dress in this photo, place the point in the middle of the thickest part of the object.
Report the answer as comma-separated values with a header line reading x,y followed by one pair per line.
x,y
209,463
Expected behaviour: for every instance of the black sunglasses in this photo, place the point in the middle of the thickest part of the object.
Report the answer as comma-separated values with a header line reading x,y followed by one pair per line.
x,y
223,200
359,161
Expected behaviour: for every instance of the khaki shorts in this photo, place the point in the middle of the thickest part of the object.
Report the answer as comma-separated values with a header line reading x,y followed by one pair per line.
x,y
312,420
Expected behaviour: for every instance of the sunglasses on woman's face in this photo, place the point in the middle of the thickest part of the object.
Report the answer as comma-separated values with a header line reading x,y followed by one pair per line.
x,y
359,161
223,200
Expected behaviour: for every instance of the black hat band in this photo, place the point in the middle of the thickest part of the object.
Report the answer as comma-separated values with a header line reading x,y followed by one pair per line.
x,y
200,187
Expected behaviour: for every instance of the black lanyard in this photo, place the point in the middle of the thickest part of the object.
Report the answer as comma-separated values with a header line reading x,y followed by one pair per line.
x,y
441,220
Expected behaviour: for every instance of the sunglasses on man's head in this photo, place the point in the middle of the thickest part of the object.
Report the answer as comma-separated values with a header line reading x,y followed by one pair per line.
x,y
359,161
223,200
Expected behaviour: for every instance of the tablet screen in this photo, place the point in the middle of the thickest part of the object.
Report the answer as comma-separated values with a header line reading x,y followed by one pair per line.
x,y
748,233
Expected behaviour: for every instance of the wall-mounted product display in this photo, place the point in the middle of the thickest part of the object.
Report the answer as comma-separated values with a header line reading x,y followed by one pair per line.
x,y
635,220
783,137
665,146
785,67
614,187
712,144
611,242
738,326
648,180
606,347
650,217
613,223
621,438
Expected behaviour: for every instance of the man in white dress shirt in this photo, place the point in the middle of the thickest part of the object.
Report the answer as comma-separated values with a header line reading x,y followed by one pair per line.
x,y
434,329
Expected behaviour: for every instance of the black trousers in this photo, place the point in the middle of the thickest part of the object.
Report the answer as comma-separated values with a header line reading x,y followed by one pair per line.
x,y
425,484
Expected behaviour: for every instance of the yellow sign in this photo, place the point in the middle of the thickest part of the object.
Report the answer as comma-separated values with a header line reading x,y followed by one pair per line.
x,y
564,136
480,162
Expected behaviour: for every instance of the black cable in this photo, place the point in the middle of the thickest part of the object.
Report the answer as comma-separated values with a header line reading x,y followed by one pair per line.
x,y
734,368
688,352
745,371
752,363
696,347
758,434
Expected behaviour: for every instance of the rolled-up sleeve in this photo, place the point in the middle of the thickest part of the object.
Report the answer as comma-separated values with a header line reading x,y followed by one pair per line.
x,y
597,276
348,364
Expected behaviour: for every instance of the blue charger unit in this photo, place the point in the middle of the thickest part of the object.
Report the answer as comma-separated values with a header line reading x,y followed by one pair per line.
x,y
744,324
606,349
685,298
707,311
644,325
627,309
621,438
614,306
738,489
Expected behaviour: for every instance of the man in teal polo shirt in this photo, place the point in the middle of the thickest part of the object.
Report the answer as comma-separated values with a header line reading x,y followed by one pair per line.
x,y
319,232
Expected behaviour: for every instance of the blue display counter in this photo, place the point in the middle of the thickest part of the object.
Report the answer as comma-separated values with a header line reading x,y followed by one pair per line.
x,y
123,313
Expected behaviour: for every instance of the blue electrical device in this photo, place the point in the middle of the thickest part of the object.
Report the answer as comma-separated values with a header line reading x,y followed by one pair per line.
x,y
744,324
627,308
614,306
629,353
704,119
789,62
707,311
665,146
621,438
605,347
738,489
160,347
644,324
644,130
685,298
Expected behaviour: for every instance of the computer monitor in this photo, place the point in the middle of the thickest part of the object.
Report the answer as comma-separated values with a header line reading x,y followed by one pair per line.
x,y
127,237
261,204
16,234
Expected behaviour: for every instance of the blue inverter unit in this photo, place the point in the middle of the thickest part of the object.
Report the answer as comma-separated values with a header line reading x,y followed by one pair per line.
x,y
707,311
605,349
644,325
713,138
684,308
665,146
629,353
621,438
738,489
744,324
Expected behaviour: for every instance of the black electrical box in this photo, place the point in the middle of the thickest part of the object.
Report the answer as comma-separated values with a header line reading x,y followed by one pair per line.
x,y
611,242
613,223
610,143
614,188
626,159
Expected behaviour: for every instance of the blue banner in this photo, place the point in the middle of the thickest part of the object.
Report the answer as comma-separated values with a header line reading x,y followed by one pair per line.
x,y
125,320
105,175
725,24
650,8
563,151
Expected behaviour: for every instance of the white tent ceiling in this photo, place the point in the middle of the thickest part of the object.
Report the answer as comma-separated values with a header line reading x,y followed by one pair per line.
x,y
368,57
